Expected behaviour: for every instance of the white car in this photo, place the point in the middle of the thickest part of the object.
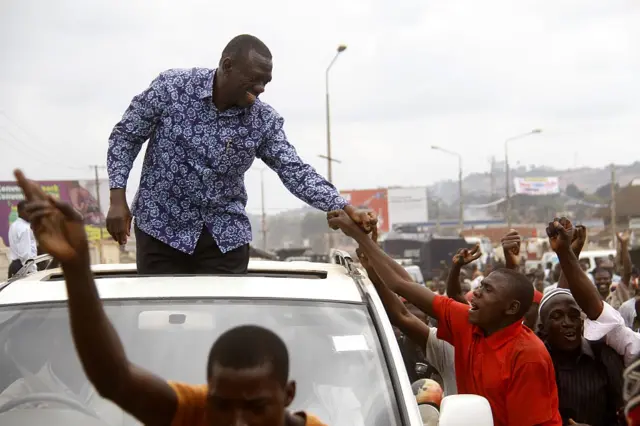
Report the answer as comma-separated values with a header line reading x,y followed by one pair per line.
x,y
344,356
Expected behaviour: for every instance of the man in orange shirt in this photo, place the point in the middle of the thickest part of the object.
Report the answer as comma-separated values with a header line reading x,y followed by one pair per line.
x,y
248,367
496,356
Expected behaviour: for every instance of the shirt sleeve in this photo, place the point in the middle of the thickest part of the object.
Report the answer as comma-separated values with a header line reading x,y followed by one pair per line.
x,y
136,126
453,318
611,326
299,178
530,400
192,400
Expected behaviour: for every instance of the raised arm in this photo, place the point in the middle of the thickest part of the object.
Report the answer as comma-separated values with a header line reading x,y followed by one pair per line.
x,y
398,314
578,241
560,233
389,271
60,231
627,265
461,258
137,125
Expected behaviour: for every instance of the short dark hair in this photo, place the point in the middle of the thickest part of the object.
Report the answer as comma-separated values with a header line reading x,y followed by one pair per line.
x,y
241,45
250,346
520,287
600,269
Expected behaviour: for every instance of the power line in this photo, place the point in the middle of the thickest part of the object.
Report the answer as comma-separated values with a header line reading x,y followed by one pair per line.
x,y
34,150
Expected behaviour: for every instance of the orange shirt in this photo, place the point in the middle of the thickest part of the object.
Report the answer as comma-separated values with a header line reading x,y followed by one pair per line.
x,y
511,368
192,400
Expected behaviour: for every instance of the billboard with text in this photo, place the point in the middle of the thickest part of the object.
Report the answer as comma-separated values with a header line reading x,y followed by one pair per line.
x,y
374,199
536,185
72,191
407,205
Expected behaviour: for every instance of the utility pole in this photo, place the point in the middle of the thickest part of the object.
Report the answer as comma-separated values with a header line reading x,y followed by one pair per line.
x,y
613,207
97,184
493,177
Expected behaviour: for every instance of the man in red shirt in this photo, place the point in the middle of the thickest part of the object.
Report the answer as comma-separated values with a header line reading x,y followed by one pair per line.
x,y
496,356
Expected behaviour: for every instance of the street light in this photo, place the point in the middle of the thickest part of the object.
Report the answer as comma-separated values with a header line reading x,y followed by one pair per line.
x,y
341,48
460,193
506,165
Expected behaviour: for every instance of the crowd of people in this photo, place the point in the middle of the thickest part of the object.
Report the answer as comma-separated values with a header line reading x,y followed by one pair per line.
x,y
540,353
551,358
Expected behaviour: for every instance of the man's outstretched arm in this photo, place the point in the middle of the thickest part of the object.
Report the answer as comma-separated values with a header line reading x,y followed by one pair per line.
x,y
390,272
397,312
60,231
561,233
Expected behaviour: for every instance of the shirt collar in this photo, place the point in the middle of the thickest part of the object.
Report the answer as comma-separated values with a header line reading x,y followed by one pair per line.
x,y
500,337
206,92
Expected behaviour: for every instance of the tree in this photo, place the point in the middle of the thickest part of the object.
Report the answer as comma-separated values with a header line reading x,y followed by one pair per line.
x,y
604,192
573,192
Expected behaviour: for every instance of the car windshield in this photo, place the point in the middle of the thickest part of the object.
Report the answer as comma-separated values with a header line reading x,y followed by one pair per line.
x,y
336,358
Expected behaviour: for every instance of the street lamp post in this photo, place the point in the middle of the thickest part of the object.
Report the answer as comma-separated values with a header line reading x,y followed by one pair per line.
x,y
506,166
460,193
341,48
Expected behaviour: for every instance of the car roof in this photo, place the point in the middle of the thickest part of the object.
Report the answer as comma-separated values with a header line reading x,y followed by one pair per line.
x,y
265,279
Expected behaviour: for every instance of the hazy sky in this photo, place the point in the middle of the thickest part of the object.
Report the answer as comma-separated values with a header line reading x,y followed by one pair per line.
x,y
463,74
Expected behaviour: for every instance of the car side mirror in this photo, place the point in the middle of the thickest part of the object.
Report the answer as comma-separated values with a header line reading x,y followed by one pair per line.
x,y
463,410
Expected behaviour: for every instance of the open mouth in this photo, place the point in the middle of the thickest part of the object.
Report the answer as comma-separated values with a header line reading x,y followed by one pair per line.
x,y
570,335
474,306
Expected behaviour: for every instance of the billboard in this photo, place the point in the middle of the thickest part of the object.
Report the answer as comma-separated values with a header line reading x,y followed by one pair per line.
x,y
374,199
537,185
72,191
407,205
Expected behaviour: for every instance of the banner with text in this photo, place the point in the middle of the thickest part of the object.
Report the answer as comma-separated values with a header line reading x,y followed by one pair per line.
x,y
537,185
72,191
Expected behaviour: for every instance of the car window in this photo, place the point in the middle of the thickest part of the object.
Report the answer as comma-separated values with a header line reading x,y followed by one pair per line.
x,y
335,356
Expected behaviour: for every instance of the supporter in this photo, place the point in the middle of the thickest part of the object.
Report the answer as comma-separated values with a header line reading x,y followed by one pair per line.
x,y
588,374
630,312
603,322
511,248
438,353
247,370
496,356
555,277
604,275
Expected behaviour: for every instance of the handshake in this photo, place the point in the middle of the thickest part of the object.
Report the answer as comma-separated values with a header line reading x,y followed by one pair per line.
x,y
354,223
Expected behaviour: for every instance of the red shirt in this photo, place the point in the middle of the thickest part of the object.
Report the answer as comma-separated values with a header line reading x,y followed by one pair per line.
x,y
511,368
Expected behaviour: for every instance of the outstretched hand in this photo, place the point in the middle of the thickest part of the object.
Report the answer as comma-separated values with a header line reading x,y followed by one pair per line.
x,y
561,234
367,219
511,247
58,227
339,219
465,256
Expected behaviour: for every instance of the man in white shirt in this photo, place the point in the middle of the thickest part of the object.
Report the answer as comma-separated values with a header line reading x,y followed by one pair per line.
x,y
22,243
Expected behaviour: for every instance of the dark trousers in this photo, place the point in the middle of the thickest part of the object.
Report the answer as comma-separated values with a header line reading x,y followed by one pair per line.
x,y
153,257
14,267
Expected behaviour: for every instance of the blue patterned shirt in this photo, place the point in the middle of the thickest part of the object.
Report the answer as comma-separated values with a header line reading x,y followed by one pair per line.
x,y
193,170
